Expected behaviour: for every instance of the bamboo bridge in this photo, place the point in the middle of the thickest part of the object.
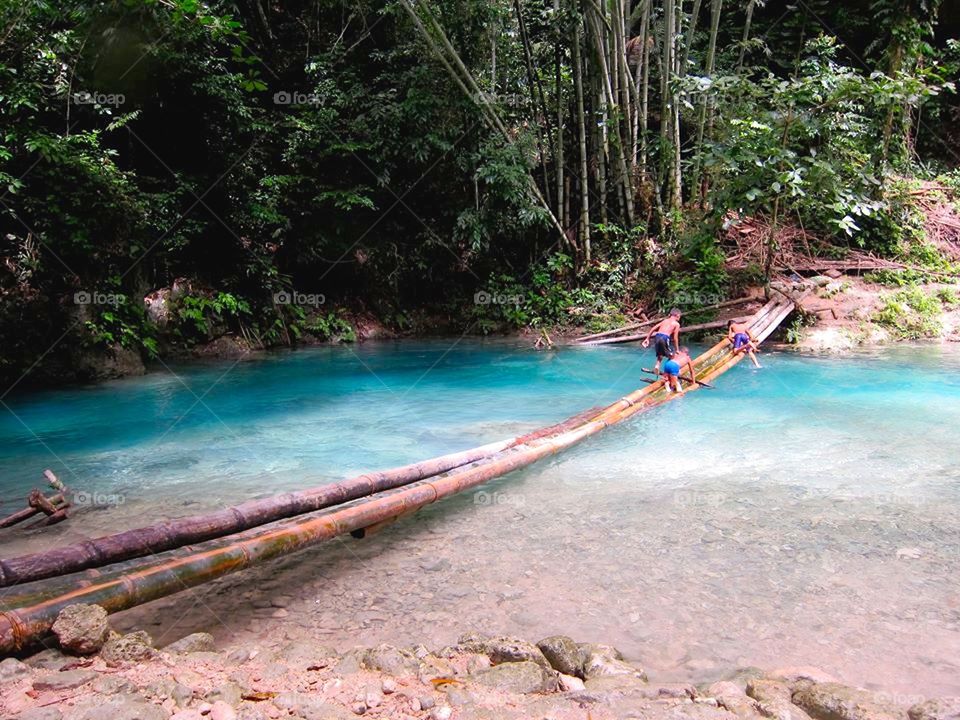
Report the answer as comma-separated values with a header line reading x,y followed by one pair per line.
x,y
134,567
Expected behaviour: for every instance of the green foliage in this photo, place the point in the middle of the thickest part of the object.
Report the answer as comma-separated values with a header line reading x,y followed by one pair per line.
x,y
911,314
203,316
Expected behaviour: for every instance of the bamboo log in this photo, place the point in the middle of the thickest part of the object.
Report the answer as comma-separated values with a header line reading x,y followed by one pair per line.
x,y
198,528
648,323
23,625
31,509
712,325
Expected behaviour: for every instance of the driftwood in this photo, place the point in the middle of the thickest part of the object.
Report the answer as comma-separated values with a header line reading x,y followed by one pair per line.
x,y
22,625
53,506
648,323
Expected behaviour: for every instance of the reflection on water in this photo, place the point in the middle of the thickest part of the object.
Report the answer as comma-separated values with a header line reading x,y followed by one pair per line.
x,y
802,514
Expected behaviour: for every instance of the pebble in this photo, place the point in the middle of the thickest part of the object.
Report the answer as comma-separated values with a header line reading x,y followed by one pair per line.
x,y
389,686
441,713
426,702
358,708
373,699
222,711
279,613
204,708
909,554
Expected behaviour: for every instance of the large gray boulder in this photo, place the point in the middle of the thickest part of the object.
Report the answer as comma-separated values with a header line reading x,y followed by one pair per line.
x,y
82,629
517,677
833,701
563,654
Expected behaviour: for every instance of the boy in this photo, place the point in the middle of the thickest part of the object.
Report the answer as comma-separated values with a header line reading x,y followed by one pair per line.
x,y
742,340
672,367
666,336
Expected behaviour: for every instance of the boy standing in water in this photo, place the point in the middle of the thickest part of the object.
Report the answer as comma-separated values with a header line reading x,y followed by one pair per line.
x,y
672,367
666,336
739,335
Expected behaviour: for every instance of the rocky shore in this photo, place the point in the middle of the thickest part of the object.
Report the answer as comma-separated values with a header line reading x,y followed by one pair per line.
x,y
97,674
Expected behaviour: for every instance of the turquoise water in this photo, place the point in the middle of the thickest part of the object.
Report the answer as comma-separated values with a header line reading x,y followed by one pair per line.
x,y
803,514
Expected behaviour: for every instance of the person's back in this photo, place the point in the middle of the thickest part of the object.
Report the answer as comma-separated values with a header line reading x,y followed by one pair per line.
x,y
666,335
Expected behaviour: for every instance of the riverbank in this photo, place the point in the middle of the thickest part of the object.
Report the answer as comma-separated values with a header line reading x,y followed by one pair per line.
x,y
477,677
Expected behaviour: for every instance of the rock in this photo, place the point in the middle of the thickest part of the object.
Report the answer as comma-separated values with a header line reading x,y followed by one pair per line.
x,y
730,697
441,713
41,713
222,711
280,613
910,553
64,680
774,699
563,654
388,686
503,649
373,698
391,660
133,647
228,693
115,361
604,685
82,629
947,708
570,683
832,701
601,660
351,661
49,659
113,684
459,694
191,714
793,674
119,707
309,707
181,694
433,668
821,280
358,708
426,702
833,274
12,670
517,677
195,642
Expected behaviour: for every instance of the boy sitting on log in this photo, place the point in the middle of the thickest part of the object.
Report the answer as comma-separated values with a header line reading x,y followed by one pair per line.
x,y
672,367
739,335
666,336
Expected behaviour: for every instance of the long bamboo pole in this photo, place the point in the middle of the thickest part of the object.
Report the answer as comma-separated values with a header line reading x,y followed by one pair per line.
x,y
23,625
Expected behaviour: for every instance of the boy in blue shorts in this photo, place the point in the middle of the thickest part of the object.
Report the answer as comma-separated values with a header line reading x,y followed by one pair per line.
x,y
739,335
672,368
666,336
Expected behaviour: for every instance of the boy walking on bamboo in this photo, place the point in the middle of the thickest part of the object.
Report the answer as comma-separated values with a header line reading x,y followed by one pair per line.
x,y
739,335
666,337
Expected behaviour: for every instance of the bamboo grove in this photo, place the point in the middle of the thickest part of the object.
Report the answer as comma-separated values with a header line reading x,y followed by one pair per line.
x,y
622,100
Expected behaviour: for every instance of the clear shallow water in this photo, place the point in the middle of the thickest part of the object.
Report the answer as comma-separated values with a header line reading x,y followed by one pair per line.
x,y
802,514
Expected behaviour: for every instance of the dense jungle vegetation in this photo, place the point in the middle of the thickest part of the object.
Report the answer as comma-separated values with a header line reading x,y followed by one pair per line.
x,y
274,169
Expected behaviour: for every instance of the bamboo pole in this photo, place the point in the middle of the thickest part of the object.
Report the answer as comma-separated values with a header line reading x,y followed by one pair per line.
x,y
648,323
197,528
21,626
689,328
